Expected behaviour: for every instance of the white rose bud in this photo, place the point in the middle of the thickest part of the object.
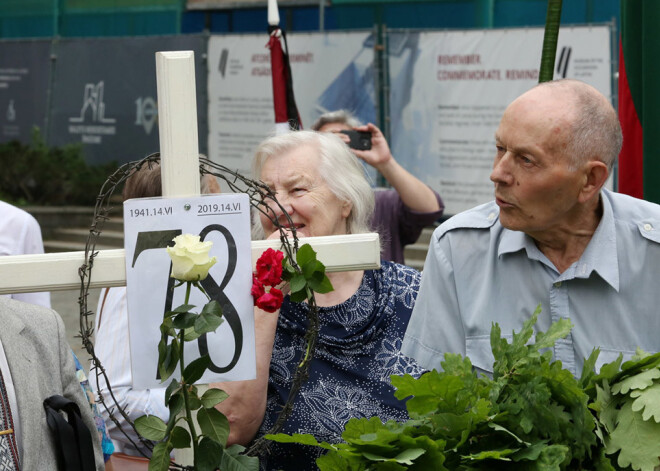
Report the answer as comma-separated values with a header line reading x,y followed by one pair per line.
x,y
190,258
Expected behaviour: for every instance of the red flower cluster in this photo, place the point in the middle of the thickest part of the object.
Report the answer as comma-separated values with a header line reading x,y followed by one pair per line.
x,y
269,267
269,274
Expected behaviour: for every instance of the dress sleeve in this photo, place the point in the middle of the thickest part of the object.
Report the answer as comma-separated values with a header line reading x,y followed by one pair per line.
x,y
31,243
112,348
412,222
397,224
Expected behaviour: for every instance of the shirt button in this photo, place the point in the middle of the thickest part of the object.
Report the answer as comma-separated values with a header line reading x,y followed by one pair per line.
x,y
648,227
491,216
557,284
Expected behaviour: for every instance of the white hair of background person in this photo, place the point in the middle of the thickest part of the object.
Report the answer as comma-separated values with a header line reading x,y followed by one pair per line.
x,y
339,116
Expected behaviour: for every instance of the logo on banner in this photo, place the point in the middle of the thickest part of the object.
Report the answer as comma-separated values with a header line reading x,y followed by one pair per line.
x,y
146,113
11,111
222,65
92,110
11,130
564,58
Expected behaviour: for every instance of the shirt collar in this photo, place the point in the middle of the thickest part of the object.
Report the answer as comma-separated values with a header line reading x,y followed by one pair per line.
x,y
512,241
599,256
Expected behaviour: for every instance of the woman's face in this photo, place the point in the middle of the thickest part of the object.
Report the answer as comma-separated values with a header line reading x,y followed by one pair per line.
x,y
294,176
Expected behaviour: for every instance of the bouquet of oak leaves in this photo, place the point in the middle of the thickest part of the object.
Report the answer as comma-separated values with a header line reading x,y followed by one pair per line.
x,y
531,415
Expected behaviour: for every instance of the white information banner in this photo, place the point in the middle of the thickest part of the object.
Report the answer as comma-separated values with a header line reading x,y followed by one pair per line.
x,y
330,71
150,224
449,89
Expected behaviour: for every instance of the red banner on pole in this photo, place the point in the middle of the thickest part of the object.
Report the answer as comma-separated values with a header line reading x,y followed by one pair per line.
x,y
286,112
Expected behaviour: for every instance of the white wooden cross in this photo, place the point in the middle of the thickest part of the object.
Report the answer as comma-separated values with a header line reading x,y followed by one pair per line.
x,y
177,117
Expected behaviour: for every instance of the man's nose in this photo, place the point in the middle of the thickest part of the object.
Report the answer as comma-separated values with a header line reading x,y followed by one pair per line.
x,y
501,169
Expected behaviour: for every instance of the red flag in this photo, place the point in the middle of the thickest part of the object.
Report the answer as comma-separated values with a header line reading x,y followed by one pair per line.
x,y
284,103
639,95
631,162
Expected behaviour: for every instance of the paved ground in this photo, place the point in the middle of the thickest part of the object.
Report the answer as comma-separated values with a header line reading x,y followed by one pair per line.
x,y
66,304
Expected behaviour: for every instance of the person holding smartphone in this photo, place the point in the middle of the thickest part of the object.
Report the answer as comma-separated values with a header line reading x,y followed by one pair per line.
x,y
402,211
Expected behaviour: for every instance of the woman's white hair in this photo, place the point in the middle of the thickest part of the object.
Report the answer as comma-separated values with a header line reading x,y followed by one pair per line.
x,y
339,167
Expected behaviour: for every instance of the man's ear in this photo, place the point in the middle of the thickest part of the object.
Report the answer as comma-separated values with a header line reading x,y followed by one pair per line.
x,y
596,174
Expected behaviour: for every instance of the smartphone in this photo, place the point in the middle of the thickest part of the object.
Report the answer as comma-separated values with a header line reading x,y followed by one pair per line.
x,y
360,140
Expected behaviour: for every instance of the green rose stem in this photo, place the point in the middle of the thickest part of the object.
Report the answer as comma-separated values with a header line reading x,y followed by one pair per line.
x,y
190,264
310,344
305,277
198,285
189,419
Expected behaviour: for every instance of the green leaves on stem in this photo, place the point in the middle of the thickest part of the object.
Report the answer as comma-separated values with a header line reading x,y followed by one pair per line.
x,y
182,398
311,276
626,400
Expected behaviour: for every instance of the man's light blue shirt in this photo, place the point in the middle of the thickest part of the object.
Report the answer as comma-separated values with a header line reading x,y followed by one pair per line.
x,y
478,272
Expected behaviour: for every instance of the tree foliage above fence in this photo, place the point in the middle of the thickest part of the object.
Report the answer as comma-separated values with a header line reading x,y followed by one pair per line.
x,y
37,174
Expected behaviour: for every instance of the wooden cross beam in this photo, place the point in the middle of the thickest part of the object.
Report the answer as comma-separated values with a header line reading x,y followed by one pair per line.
x,y
177,117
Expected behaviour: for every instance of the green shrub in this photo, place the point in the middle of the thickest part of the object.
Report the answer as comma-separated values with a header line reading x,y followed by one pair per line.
x,y
40,175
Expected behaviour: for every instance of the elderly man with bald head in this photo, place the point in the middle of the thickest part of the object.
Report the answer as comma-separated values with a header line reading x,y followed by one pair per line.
x,y
553,236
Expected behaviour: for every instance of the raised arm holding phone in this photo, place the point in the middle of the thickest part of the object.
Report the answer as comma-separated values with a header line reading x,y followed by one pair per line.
x,y
402,212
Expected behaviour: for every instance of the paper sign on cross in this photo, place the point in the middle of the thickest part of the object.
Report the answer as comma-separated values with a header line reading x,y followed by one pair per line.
x,y
177,116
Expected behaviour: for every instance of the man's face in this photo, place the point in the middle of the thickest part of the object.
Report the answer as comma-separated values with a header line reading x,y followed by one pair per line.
x,y
534,186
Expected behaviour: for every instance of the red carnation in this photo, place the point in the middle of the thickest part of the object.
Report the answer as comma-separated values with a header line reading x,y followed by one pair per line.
x,y
271,301
269,267
257,287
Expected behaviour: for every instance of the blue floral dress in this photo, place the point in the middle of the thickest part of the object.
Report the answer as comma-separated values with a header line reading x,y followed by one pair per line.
x,y
358,349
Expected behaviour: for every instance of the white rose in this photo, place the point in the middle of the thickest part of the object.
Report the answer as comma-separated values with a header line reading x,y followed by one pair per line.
x,y
190,258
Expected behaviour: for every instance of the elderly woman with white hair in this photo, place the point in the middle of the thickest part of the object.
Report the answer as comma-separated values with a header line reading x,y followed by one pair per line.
x,y
320,184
